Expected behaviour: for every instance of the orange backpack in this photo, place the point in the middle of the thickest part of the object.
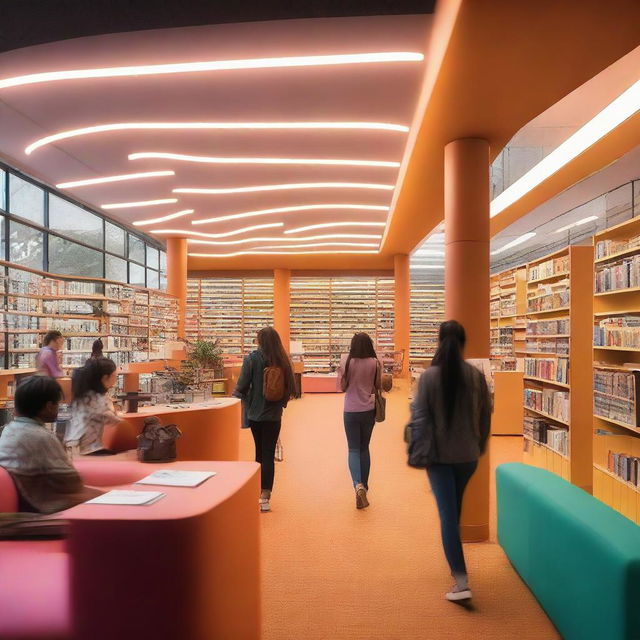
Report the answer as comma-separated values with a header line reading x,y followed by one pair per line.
x,y
273,384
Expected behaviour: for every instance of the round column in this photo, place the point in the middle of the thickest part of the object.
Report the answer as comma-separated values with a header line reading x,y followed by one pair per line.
x,y
177,277
282,305
402,317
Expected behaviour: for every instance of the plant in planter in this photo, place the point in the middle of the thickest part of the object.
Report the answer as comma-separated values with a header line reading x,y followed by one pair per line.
x,y
207,354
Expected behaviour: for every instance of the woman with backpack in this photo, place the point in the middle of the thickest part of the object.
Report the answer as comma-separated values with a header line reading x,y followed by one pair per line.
x,y
450,424
266,384
359,375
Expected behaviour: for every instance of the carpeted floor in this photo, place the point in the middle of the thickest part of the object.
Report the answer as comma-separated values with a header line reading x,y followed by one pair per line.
x,y
333,572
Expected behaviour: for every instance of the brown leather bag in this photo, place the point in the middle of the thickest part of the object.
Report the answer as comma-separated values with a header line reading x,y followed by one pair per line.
x,y
273,384
157,443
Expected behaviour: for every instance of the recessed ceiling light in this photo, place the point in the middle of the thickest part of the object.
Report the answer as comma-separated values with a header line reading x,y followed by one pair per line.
x,y
279,253
232,126
276,161
171,216
514,243
142,203
281,187
213,65
576,224
328,225
120,178
235,232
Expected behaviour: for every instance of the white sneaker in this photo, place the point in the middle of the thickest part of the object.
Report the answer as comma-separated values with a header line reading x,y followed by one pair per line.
x,y
264,505
457,594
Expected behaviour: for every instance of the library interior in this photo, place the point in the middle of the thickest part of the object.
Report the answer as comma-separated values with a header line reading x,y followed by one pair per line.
x,y
353,288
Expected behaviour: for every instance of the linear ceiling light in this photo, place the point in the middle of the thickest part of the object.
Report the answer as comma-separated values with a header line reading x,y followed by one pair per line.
x,y
329,225
235,232
239,160
301,246
212,65
427,266
277,253
305,207
281,187
127,126
514,243
614,114
171,216
142,203
120,178
428,252
267,239
576,224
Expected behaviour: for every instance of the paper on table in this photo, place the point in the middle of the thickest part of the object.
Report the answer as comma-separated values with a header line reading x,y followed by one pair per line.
x,y
119,496
177,478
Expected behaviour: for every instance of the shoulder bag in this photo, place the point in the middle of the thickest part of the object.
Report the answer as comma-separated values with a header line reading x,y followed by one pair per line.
x,y
380,400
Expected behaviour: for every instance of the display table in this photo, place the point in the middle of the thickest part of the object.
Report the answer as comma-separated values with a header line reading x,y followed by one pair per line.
x,y
320,383
210,430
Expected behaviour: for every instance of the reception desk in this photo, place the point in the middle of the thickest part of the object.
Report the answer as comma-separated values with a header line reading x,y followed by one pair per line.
x,y
210,430
320,383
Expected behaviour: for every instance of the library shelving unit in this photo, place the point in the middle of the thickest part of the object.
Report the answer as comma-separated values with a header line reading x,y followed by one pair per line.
x,y
557,364
427,312
616,368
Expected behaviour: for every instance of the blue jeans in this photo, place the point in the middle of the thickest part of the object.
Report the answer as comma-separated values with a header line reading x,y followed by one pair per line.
x,y
448,482
358,426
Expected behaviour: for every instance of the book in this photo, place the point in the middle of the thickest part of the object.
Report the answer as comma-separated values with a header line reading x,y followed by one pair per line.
x,y
128,497
177,478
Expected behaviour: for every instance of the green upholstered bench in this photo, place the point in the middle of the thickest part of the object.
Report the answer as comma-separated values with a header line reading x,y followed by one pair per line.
x,y
579,557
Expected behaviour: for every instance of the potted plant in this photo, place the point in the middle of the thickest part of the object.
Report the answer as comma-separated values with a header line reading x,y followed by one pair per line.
x,y
207,354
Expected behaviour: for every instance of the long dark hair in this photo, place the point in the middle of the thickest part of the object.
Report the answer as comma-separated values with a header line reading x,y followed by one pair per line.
x,y
361,347
451,341
275,355
96,349
89,377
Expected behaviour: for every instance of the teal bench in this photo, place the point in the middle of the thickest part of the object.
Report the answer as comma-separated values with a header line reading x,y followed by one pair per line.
x,y
579,557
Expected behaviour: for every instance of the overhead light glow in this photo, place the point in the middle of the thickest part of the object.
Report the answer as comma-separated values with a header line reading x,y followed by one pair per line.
x,y
263,239
212,65
330,225
284,187
235,232
171,216
428,252
304,207
613,115
286,246
139,126
120,178
514,243
142,203
576,224
278,253
239,160
427,266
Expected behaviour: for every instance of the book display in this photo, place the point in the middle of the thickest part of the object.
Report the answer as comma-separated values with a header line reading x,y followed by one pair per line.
x,y
616,367
557,383
427,312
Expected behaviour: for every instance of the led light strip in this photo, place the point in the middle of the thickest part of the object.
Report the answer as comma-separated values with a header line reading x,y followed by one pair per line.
x,y
262,239
304,207
289,246
514,243
120,178
277,253
285,187
235,232
212,65
331,225
277,161
172,216
294,126
574,224
427,266
142,203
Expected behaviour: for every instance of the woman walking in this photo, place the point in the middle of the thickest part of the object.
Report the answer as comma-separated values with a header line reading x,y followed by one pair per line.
x,y
451,420
359,376
263,415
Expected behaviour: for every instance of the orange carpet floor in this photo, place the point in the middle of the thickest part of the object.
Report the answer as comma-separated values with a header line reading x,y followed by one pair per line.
x,y
333,572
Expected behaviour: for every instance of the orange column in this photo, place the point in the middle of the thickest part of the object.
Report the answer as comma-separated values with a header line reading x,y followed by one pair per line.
x,y
402,319
282,304
466,204
177,277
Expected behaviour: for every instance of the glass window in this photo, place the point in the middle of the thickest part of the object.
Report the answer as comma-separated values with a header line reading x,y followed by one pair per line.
x,y
152,279
136,275
153,256
2,246
116,268
74,222
26,245
163,281
114,238
136,249
26,200
163,261
3,202
70,258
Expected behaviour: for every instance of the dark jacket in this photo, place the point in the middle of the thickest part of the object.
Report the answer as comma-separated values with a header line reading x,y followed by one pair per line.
x,y
464,438
249,388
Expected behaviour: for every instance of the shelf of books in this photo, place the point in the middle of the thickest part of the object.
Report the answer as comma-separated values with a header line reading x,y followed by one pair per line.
x,y
557,362
230,310
134,323
616,368
427,312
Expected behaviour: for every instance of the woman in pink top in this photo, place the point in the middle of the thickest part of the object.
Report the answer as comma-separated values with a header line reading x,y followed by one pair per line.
x,y
359,376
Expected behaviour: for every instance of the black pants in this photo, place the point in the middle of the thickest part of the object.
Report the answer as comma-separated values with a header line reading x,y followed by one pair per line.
x,y
265,435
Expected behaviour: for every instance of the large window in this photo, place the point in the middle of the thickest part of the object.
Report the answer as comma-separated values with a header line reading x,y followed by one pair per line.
x,y
136,249
26,200
136,274
75,222
70,258
25,245
115,268
114,238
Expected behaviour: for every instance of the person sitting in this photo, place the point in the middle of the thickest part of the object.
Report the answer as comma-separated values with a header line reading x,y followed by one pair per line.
x,y
92,409
45,479
47,358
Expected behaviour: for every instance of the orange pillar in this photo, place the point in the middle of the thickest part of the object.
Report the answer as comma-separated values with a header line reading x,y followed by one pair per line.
x,y
402,319
177,277
466,205
282,304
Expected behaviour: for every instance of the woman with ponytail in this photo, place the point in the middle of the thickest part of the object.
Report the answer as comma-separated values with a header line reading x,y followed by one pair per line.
x,y
452,411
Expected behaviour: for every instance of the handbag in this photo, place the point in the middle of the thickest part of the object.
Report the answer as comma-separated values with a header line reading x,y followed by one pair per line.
x,y
380,400
157,443
420,434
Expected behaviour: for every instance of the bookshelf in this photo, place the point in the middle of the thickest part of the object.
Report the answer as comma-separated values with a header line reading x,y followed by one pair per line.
x,y
557,364
616,367
427,312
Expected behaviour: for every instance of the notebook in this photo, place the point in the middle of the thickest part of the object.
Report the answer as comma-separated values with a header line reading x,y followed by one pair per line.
x,y
177,478
118,496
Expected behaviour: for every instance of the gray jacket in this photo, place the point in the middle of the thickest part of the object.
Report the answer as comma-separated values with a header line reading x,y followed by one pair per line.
x,y
464,438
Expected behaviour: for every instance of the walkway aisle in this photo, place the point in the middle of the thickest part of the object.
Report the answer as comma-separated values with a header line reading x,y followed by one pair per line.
x,y
332,572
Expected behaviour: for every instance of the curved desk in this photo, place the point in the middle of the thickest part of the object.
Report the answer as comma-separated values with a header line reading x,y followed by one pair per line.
x,y
210,430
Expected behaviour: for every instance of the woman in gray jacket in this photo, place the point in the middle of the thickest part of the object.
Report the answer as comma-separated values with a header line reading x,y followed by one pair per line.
x,y
453,404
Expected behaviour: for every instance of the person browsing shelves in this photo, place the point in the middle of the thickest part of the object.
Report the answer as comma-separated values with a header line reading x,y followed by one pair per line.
x,y
47,359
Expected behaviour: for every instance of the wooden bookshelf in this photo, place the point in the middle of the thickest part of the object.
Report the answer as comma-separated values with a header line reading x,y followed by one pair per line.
x,y
558,340
427,313
616,367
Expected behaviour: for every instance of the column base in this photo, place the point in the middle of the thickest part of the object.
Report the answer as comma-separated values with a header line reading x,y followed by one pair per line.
x,y
474,532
